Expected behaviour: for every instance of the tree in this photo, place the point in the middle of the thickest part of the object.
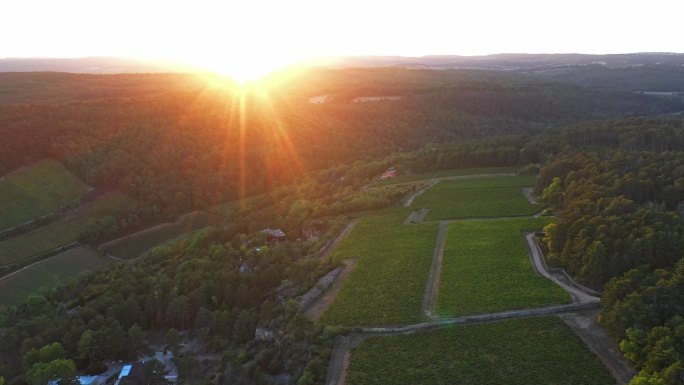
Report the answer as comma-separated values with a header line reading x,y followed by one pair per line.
x,y
87,346
61,369
173,340
51,352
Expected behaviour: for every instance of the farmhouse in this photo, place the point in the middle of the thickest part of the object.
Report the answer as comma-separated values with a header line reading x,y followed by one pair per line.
x,y
274,235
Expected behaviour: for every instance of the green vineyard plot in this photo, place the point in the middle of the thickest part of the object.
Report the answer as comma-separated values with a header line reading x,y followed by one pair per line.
x,y
60,233
37,190
486,268
525,352
49,274
387,285
479,197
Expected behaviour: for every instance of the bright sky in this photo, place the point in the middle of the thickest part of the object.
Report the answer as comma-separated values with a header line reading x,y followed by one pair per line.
x,y
267,33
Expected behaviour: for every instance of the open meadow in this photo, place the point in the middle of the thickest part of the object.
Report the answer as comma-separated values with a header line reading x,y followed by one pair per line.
x,y
36,190
478,197
393,262
528,351
486,268
49,274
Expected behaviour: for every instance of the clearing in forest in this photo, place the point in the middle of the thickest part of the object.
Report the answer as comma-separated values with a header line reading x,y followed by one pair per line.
x,y
478,198
527,351
36,190
47,238
486,268
49,274
134,245
393,262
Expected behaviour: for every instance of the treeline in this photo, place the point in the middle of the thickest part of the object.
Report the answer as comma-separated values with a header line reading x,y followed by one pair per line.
x,y
617,190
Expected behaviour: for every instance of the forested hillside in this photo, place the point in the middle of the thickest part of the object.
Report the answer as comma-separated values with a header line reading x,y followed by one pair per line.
x,y
617,189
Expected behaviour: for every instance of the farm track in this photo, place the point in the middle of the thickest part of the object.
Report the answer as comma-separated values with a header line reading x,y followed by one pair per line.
x,y
432,287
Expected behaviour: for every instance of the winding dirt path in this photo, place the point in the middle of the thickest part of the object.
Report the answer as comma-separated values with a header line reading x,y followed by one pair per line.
x,y
432,287
579,293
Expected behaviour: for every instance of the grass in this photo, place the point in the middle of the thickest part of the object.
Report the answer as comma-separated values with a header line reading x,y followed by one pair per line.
x,y
49,274
37,190
475,198
387,285
64,232
518,352
445,173
486,268
134,245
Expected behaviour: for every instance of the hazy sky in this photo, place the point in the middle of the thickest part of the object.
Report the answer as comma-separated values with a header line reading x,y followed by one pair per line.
x,y
223,32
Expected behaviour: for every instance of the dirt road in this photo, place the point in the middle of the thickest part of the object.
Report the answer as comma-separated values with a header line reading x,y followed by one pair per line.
x,y
432,286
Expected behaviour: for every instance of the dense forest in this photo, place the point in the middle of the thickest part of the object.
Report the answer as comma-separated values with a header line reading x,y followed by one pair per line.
x,y
615,187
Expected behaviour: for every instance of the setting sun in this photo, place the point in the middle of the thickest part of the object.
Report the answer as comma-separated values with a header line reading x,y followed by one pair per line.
x,y
243,69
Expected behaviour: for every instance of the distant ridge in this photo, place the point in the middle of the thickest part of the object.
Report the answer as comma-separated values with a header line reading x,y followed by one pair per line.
x,y
92,65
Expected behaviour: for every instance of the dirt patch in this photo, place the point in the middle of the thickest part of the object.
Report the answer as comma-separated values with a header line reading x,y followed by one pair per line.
x,y
584,324
529,194
416,216
318,307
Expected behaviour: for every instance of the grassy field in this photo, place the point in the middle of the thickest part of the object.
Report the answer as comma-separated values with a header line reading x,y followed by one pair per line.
x,y
445,173
60,233
135,244
49,274
525,352
37,190
387,285
480,197
486,268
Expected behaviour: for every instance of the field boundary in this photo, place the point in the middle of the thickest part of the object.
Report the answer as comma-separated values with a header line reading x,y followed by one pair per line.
x,y
53,216
105,246
36,259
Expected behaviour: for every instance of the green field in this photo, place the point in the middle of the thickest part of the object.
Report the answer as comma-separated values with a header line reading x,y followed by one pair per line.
x,y
135,244
445,173
37,190
518,352
486,268
56,234
387,285
478,198
49,274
